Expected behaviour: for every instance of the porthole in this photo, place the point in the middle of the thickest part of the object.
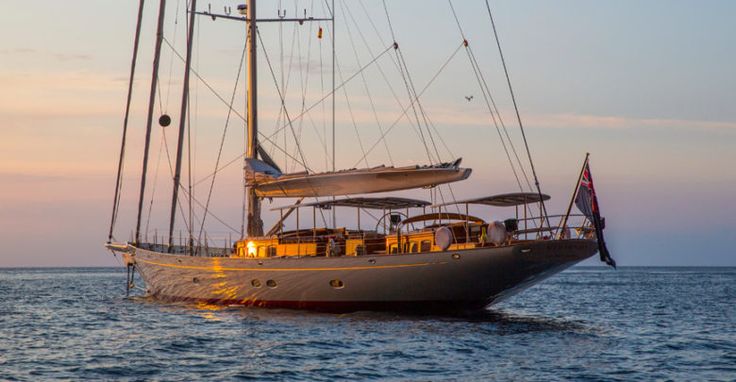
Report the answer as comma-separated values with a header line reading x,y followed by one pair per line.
x,y
337,284
195,280
271,284
372,261
256,283
456,256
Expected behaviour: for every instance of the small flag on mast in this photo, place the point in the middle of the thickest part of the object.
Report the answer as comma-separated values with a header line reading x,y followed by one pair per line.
x,y
587,202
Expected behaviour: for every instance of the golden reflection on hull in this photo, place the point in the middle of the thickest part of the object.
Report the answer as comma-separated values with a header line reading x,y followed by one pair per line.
x,y
471,278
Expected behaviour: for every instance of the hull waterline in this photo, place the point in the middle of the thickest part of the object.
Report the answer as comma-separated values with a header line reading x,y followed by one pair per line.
x,y
464,279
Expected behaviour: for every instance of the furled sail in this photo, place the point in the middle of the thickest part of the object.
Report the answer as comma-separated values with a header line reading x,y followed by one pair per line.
x,y
270,183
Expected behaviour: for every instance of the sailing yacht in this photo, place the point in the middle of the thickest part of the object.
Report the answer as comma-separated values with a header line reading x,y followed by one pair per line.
x,y
415,255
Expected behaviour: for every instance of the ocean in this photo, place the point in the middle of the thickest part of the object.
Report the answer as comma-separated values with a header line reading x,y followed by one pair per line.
x,y
593,324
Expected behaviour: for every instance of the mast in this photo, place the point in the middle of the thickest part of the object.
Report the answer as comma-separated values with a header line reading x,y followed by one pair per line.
x,y
182,125
151,100
136,43
254,224
332,37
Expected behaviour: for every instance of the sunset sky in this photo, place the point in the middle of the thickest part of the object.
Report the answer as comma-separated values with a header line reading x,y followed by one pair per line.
x,y
648,88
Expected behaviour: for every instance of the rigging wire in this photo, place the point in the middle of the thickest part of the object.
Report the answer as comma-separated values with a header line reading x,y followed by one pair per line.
x,y
121,161
268,138
414,100
411,90
352,117
338,87
403,70
222,141
155,182
183,120
382,72
322,91
485,89
366,88
303,78
518,118
222,99
486,93
171,59
171,173
305,86
349,106
149,117
193,171
283,103
380,69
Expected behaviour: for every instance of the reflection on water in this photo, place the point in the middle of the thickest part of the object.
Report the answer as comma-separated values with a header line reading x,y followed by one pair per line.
x,y
584,324
502,322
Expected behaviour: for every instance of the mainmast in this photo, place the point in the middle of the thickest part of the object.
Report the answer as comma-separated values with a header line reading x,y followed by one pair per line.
x,y
255,224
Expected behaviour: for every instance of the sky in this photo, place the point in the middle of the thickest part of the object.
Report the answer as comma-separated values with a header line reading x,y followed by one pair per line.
x,y
647,88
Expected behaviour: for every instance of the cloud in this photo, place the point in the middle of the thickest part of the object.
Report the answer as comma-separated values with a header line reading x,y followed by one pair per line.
x,y
571,120
72,57
40,95
18,51
62,57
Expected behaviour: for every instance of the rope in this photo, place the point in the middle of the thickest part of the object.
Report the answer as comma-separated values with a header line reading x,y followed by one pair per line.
x,y
171,59
413,101
518,116
352,117
283,103
403,70
486,94
383,74
324,112
367,90
165,145
155,182
219,97
336,88
222,142
498,115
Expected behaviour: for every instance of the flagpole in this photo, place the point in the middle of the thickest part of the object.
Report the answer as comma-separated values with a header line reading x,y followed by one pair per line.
x,y
572,200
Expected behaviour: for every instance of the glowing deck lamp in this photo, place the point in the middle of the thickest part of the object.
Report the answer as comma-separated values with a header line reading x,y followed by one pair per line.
x,y
251,249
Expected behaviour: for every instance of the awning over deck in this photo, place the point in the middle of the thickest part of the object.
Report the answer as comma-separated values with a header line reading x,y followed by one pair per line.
x,y
388,203
502,200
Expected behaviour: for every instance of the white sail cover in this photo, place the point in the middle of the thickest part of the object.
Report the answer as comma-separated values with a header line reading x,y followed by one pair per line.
x,y
269,183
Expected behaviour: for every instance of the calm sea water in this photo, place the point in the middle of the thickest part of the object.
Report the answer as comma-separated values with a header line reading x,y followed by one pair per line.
x,y
584,324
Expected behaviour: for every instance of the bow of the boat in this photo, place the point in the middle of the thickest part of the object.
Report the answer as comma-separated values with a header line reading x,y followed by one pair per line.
x,y
528,264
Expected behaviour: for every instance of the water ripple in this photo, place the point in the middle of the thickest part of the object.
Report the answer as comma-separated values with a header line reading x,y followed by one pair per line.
x,y
585,324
